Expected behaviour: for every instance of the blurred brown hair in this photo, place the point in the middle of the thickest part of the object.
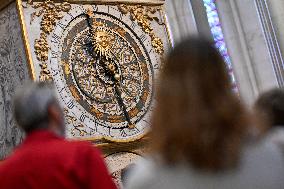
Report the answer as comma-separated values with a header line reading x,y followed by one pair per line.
x,y
198,118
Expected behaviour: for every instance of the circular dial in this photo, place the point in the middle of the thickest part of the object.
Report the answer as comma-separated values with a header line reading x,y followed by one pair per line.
x,y
118,49
106,74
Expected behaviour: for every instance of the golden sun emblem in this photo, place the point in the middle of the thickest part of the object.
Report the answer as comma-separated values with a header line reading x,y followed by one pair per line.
x,y
103,42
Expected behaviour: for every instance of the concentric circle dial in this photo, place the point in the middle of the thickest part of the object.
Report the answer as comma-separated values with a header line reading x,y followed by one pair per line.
x,y
103,64
107,61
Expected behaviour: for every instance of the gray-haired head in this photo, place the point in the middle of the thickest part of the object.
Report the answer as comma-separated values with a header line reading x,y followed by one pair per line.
x,y
271,105
31,105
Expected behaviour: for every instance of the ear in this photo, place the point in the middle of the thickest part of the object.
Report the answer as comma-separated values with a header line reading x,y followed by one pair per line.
x,y
54,113
56,118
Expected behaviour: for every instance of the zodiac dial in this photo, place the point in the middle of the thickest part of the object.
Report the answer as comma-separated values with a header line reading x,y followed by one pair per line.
x,y
104,74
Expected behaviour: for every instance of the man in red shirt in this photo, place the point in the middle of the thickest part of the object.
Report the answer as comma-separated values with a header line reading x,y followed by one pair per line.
x,y
45,159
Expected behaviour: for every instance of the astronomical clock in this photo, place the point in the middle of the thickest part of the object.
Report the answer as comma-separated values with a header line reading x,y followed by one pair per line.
x,y
104,57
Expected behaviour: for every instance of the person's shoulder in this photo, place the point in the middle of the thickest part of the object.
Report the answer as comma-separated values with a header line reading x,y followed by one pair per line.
x,y
83,147
9,166
78,144
142,172
276,135
262,153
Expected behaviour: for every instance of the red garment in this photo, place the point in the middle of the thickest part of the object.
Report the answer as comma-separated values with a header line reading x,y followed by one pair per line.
x,y
47,161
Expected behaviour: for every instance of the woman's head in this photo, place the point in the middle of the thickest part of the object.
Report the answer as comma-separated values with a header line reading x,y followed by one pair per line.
x,y
197,118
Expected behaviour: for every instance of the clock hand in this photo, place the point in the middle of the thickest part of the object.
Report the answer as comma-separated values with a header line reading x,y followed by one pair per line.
x,y
116,79
91,33
112,70
118,76
122,105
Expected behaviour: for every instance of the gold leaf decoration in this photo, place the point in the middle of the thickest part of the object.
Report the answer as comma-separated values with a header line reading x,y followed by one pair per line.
x,y
143,15
41,48
67,70
44,73
77,128
74,93
50,13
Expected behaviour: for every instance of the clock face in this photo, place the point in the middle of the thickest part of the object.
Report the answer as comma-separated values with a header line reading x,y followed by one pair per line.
x,y
104,65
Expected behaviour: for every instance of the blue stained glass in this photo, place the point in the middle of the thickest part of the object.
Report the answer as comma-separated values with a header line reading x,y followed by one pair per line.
x,y
213,21
212,14
210,7
217,33
209,2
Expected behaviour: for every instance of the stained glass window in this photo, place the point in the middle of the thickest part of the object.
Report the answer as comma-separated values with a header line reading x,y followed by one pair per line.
x,y
217,33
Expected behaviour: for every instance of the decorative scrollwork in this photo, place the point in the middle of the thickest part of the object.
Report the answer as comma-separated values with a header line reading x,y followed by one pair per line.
x,y
143,15
50,13
77,128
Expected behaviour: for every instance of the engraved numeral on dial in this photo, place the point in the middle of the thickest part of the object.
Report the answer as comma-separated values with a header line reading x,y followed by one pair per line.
x,y
61,25
135,131
82,117
120,16
55,71
156,66
133,25
143,38
109,131
70,104
95,8
60,90
123,133
54,54
72,17
55,38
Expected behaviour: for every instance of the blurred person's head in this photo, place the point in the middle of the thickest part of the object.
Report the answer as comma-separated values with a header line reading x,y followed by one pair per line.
x,y
36,107
270,107
198,118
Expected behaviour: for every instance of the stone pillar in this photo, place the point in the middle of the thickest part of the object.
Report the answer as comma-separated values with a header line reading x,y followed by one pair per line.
x,y
271,14
247,47
13,72
180,18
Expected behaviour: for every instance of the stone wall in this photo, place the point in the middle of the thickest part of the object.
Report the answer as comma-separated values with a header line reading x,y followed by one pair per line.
x,y
13,72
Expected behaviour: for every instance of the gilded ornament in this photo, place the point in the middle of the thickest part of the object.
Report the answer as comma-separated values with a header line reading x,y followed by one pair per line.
x,y
143,15
102,38
145,96
98,113
44,73
74,93
73,121
67,70
133,112
115,118
103,42
69,119
41,48
50,13
78,128
121,31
